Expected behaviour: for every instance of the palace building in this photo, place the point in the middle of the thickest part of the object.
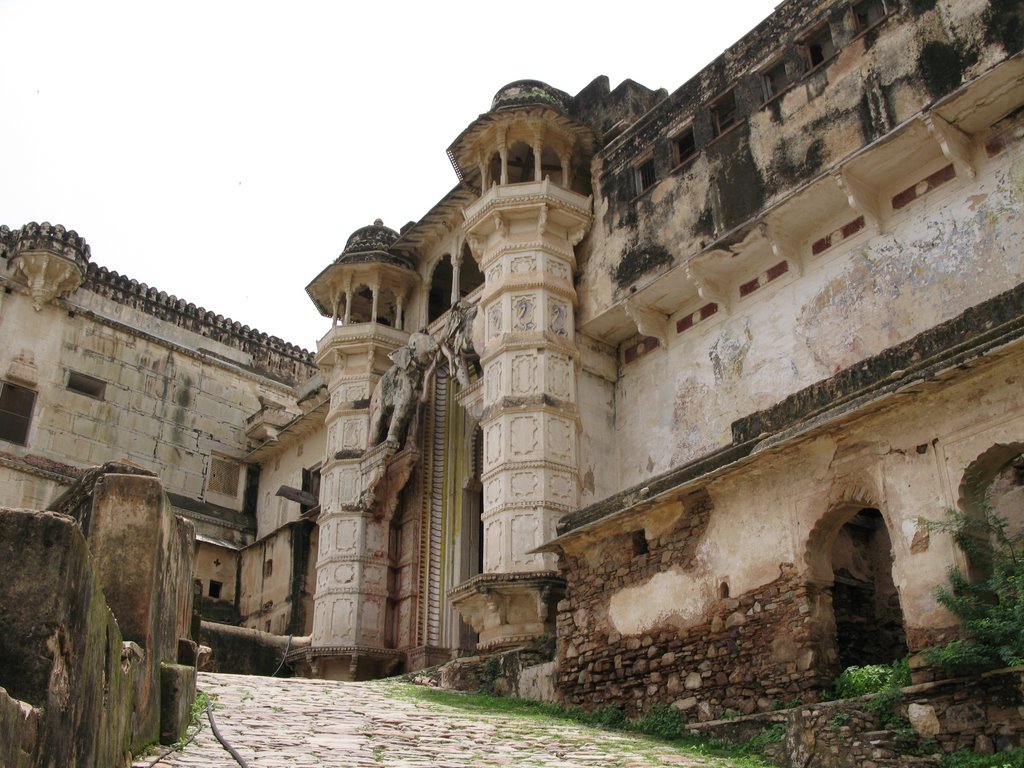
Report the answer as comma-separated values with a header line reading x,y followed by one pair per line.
x,y
674,378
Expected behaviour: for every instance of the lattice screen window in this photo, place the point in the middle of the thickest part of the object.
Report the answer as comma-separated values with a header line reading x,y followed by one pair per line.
x,y
223,476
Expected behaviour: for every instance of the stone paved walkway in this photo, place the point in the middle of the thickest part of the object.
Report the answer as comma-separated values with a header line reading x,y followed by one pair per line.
x,y
300,723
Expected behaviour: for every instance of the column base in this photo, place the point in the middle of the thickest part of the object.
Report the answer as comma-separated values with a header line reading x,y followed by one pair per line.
x,y
349,662
509,609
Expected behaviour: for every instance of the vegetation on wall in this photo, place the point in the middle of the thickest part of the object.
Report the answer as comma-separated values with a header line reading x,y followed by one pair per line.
x,y
990,604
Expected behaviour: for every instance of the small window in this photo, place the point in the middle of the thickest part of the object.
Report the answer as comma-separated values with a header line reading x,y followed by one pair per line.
x,y
684,146
15,412
645,176
86,385
818,46
215,587
774,80
867,13
639,539
723,113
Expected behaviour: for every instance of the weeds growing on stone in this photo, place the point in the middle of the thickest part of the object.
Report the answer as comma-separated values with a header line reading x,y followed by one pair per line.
x,y
660,721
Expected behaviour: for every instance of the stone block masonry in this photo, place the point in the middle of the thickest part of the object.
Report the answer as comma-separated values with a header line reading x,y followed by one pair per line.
x,y
748,653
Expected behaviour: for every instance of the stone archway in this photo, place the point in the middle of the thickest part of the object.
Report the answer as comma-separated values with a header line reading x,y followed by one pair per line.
x,y
994,482
849,554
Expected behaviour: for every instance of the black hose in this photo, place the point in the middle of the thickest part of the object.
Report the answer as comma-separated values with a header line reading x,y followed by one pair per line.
x,y
287,648
224,742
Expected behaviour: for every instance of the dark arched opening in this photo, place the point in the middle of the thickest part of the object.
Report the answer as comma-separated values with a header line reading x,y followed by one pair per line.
x,y
439,300
868,617
470,276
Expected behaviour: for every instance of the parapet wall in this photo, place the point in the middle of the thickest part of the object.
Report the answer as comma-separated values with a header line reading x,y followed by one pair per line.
x,y
276,357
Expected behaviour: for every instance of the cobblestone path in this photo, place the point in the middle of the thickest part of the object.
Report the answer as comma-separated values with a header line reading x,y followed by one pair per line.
x,y
301,723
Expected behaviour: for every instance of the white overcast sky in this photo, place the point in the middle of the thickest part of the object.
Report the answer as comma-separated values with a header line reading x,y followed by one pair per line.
x,y
223,151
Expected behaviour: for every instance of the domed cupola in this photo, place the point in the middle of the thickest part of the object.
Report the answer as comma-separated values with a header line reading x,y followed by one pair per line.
x,y
529,135
369,282
530,93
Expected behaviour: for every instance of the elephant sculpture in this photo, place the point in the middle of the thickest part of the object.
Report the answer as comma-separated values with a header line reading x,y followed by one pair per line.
x,y
399,390
457,342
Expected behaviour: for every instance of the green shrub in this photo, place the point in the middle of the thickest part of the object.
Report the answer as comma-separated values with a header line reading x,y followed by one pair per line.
x,y
871,678
991,609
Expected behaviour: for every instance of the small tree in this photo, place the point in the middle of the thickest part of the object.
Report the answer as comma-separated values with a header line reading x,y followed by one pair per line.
x,y
990,607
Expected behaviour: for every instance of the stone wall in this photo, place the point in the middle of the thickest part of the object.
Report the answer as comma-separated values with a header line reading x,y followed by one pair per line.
x,y
93,604
752,652
981,714
244,651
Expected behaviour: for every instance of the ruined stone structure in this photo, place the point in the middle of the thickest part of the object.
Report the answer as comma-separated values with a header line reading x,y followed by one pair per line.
x,y
673,376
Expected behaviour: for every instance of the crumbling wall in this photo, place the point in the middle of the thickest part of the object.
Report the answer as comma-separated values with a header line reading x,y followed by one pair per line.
x,y
94,599
61,651
640,625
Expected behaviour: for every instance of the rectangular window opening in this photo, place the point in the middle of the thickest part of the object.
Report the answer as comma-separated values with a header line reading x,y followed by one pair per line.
x,y
645,176
774,80
723,113
684,146
867,13
16,405
818,46
214,590
89,386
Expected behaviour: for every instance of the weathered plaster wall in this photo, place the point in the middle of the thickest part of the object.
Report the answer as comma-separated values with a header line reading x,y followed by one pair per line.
x,y
941,255
277,574
737,633
163,408
598,449
285,468
214,563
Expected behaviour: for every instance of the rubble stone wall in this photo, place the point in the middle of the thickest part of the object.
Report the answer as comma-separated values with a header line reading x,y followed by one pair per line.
x,y
752,651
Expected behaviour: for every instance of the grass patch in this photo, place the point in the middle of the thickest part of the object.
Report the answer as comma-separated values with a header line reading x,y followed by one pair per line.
x,y
660,722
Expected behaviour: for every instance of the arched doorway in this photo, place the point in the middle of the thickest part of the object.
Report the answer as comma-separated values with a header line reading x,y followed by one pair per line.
x,y
993,484
869,625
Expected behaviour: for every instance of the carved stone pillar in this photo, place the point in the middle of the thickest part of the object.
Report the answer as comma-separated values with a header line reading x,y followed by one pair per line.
x,y
523,237
351,598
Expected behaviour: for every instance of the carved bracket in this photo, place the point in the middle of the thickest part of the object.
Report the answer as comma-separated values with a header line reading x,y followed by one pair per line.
x,y
708,288
648,321
48,275
861,198
954,143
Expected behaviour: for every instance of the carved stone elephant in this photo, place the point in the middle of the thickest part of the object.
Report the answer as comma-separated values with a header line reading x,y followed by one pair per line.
x,y
457,342
396,395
